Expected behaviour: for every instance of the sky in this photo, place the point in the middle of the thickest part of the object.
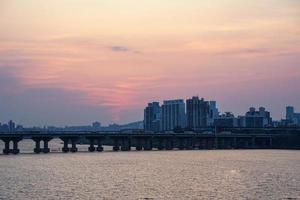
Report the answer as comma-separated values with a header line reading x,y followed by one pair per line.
x,y
67,62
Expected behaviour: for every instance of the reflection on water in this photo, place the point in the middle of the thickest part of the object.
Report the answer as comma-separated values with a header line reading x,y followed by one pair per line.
x,y
219,174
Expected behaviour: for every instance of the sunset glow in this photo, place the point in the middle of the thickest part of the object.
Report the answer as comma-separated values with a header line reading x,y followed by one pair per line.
x,y
76,61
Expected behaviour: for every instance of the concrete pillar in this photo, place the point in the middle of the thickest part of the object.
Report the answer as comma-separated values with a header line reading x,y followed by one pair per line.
x,y
125,144
6,149
15,146
46,146
91,147
169,144
37,148
99,147
264,142
139,146
253,144
148,144
116,146
234,143
160,144
181,144
74,148
190,144
216,146
65,149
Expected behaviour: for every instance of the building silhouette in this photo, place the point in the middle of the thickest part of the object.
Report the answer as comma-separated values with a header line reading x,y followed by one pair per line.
x,y
226,120
292,117
152,117
258,119
11,126
197,113
173,115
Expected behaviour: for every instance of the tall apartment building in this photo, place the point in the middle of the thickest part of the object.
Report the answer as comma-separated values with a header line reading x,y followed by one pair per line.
x,y
197,112
173,115
258,119
226,120
152,117
292,117
213,113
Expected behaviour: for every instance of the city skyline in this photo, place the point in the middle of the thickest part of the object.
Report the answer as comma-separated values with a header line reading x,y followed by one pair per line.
x,y
74,62
216,113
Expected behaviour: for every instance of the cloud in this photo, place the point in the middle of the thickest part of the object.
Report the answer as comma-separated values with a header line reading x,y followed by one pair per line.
x,y
119,48
244,51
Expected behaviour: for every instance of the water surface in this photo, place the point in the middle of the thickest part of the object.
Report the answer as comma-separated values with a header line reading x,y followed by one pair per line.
x,y
214,174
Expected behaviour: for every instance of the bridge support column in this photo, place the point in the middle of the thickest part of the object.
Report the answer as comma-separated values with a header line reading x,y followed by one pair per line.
x,y
99,145
169,144
15,150
46,145
234,145
148,144
91,147
160,144
37,148
190,144
125,144
65,149
116,146
6,149
216,145
139,146
73,148
253,144
181,144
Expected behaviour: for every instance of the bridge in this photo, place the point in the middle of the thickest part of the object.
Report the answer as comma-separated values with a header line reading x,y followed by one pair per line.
x,y
235,139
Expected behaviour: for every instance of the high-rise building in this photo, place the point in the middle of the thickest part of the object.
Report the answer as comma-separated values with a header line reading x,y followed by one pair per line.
x,y
292,117
152,117
213,113
173,115
197,112
289,112
226,120
258,119
11,126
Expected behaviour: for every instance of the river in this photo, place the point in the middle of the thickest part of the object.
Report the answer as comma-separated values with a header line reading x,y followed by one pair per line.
x,y
197,174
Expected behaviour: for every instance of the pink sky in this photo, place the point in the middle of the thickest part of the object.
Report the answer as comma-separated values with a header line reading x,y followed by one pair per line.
x,y
74,62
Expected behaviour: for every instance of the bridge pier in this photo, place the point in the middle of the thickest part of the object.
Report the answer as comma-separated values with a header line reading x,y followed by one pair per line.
x,y
190,144
126,144
161,145
234,145
181,143
203,143
91,147
73,148
116,146
6,149
148,144
46,145
253,144
216,143
15,149
139,145
37,148
15,141
65,149
92,140
99,145
169,144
